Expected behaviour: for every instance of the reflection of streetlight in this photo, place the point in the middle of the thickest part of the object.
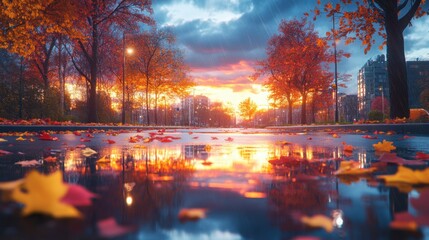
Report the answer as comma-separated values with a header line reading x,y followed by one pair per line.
x,y
129,51
165,109
382,100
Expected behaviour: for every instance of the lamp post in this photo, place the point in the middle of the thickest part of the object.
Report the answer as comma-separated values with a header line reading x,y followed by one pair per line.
x,y
129,51
382,100
335,68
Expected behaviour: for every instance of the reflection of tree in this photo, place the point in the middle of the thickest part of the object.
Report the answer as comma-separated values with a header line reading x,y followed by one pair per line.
x,y
298,193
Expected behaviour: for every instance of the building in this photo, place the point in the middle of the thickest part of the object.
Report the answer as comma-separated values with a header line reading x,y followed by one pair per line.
x,y
195,111
372,82
348,107
418,80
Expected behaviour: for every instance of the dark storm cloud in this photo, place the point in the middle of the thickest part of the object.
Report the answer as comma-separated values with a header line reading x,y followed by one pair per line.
x,y
206,45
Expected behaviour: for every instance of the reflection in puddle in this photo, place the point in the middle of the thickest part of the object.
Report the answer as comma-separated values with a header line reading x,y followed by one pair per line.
x,y
256,186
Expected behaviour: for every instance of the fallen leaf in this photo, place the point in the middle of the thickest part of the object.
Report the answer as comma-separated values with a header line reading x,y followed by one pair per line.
x,y
393,158
9,186
353,168
110,141
50,159
103,159
87,152
404,221
109,228
3,140
192,214
47,137
255,195
20,139
29,163
43,194
422,156
407,175
384,146
78,196
319,221
3,152
369,137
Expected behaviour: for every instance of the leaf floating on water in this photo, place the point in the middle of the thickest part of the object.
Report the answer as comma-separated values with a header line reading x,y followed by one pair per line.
x,y
87,152
255,195
192,214
3,140
43,194
404,221
109,228
317,221
352,168
9,186
28,163
422,156
50,159
104,159
369,137
20,139
3,152
384,146
407,175
78,196
393,158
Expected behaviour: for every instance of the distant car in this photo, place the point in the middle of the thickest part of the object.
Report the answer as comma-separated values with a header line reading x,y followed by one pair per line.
x,y
419,114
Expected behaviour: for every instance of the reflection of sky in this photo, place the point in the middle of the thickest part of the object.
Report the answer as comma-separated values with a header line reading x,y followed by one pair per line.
x,y
246,197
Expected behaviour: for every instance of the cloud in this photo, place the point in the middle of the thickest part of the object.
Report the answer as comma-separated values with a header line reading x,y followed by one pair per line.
x,y
217,35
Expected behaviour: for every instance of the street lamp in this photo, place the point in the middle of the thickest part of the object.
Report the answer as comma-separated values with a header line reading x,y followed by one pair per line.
x,y
382,100
129,51
335,68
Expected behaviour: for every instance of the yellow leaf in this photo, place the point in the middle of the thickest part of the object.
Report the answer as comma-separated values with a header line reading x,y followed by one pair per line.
x,y
384,146
8,186
21,139
43,194
87,152
192,214
319,221
407,175
352,168
3,140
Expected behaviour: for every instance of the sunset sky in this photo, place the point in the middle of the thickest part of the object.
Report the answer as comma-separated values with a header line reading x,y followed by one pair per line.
x,y
222,40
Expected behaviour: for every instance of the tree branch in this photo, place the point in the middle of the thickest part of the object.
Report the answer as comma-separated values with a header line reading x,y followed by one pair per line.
x,y
405,20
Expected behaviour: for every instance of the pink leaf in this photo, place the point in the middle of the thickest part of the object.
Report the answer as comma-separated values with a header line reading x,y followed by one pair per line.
x,y
78,196
109,228
393,158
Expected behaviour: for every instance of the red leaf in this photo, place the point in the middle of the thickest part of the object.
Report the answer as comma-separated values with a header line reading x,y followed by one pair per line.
x,y
78,196
422,156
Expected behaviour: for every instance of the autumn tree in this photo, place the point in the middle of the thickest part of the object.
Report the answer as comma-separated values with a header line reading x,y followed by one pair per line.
x,y
160,66
26,24
296,63
104,20
387,18
247,108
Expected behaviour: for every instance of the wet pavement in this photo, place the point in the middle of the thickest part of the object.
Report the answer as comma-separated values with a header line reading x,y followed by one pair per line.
x,y
249,183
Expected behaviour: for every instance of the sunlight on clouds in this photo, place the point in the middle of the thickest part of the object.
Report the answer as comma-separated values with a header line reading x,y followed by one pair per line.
x,y
230,98
180,12
224,235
